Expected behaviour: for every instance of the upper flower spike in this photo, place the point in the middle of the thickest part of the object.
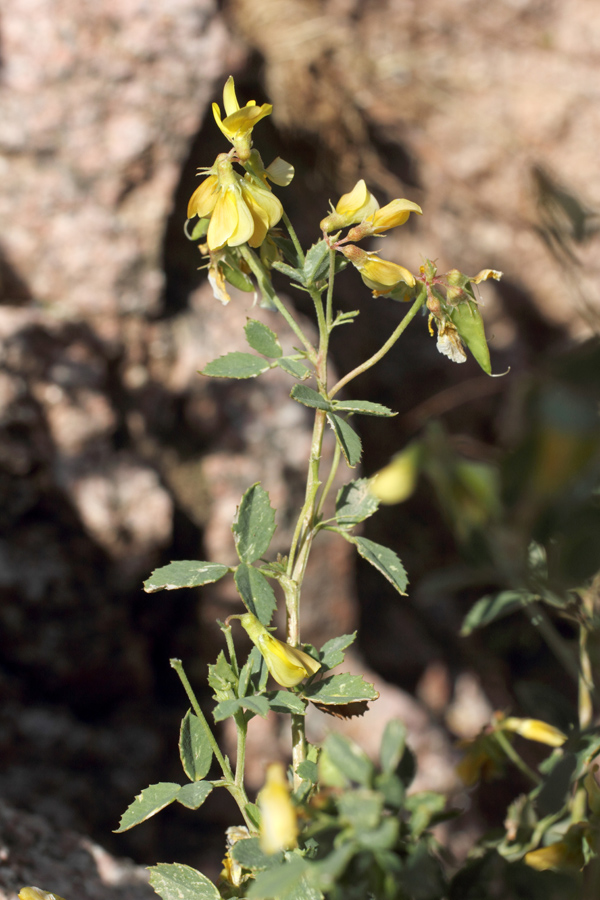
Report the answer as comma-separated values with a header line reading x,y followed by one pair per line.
x,y
238,122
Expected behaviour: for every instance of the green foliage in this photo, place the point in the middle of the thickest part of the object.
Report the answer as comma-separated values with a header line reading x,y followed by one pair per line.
x,y
195,749
172,881
256,592
185,573
383,559
347,439
262,339
236,365
254,524
355,502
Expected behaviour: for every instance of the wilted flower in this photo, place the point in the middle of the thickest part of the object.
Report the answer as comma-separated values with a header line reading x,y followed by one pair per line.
x,y
378,274
232,870
278,822
238,122
449,342
288,665
351,208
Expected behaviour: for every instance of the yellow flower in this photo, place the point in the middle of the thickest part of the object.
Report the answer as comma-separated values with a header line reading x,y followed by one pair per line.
x,y
535,730
351,208
562,856
396,481
35,893
240,210
278,822
232,870
390,216
238,122
288,665
485,274
378,274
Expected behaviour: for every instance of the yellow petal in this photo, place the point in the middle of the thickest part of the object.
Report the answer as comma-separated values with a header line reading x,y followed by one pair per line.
x,y
382,273
35,893
485,274
280,172
203,200
396,482
231,222
230,101
278,821
535,730
242,121
358,203
393,214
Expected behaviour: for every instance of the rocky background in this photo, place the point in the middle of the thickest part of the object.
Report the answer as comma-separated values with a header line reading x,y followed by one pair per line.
x,y
115,456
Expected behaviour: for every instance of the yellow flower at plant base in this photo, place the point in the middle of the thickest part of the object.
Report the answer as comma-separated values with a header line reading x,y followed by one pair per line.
x,y
562,856
381,275
35,893
288,665
278,820
240,210
239,121
389,216
351,208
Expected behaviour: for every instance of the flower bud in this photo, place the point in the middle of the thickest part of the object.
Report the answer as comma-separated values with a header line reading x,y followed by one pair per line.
x,y
278,821
535,730
288,665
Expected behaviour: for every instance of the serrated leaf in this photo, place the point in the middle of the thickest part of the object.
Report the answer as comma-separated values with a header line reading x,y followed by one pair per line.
x,y
278,881
383,559
348,758
173,881
393,744
342,688
293,274
355,502
332,652
194,795
256,592
361,809
363,408
467,320
236,365
195,749
286,702
254,524
347,438
315,262
248,854
257,704
221,676
184,573
262,339
150,801
493,607
308,397
293,367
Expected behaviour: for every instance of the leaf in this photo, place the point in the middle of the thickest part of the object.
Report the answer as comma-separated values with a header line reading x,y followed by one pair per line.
x,y
293,367
277,881
383,559
363,407
493,607
286,702
467,320
393,744
339,689
331,653
150,801
355,502
256,592
194,795
308,397
314,262
195,749
221,676
236,365
362,808
343,710
308,771
293,274
348,758
347,438
262,339
184,573
248,854
254,524
254,673
423,807
257,704
173,881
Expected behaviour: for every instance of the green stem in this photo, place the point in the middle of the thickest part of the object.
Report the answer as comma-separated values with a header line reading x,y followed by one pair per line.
x,y
363,367
235,788
337,455
294,237
261,274
240,763
226,629
538,618
329,304
515,758
586,682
